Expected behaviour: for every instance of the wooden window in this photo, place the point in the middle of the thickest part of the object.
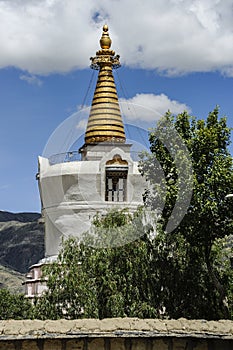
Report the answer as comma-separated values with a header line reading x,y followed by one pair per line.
x,y
116,186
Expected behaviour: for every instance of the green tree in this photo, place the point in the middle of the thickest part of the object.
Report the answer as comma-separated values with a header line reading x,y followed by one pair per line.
x,y
14,306
126,268
193,285
102,282
71,286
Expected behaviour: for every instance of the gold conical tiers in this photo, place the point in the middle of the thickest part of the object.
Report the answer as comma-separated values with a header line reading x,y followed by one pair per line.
x,y
105,122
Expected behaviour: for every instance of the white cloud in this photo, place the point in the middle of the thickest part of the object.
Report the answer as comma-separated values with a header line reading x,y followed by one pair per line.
x,y
82,114
31,79
150,107
141,107
171,36
82,124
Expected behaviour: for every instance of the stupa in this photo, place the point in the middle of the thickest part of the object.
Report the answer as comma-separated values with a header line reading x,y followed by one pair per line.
x,y
106,176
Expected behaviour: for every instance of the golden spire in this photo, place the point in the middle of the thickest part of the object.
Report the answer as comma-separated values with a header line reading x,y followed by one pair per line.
x,y
105,122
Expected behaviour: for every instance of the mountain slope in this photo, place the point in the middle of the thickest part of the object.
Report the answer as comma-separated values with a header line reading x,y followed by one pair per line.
x,y
11,280
21,240
6,216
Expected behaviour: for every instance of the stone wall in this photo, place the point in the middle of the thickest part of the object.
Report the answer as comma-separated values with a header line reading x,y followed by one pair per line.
x,y
116,334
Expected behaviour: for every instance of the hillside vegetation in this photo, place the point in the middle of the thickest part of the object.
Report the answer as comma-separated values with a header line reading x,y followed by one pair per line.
x,y
21,245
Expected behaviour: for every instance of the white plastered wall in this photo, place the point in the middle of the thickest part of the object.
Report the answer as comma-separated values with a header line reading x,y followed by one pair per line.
x,y
73,192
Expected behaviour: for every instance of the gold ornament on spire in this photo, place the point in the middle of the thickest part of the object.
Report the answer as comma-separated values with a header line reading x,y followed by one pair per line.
x,y
105,122
105,41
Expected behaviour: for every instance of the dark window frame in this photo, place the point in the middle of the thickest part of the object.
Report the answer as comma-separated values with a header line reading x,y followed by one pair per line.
x,y
116,185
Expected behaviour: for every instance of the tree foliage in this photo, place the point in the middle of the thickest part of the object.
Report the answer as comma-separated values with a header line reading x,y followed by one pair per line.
x,y
198,283
14,306
185,272
101,282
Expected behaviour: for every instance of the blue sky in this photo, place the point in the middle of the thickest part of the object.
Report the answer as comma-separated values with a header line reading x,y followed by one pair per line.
x,y
175,54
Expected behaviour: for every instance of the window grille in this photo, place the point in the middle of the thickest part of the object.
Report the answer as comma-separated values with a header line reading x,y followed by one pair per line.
x,y
116,186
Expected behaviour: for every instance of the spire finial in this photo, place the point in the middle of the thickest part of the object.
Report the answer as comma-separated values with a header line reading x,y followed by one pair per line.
x,y
105,122
105,41
105,28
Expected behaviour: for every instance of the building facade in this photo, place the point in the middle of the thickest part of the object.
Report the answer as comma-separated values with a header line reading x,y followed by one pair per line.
x,y
106,176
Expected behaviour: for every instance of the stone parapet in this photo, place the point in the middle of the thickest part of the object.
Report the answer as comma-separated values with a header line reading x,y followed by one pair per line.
x,y
116,334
